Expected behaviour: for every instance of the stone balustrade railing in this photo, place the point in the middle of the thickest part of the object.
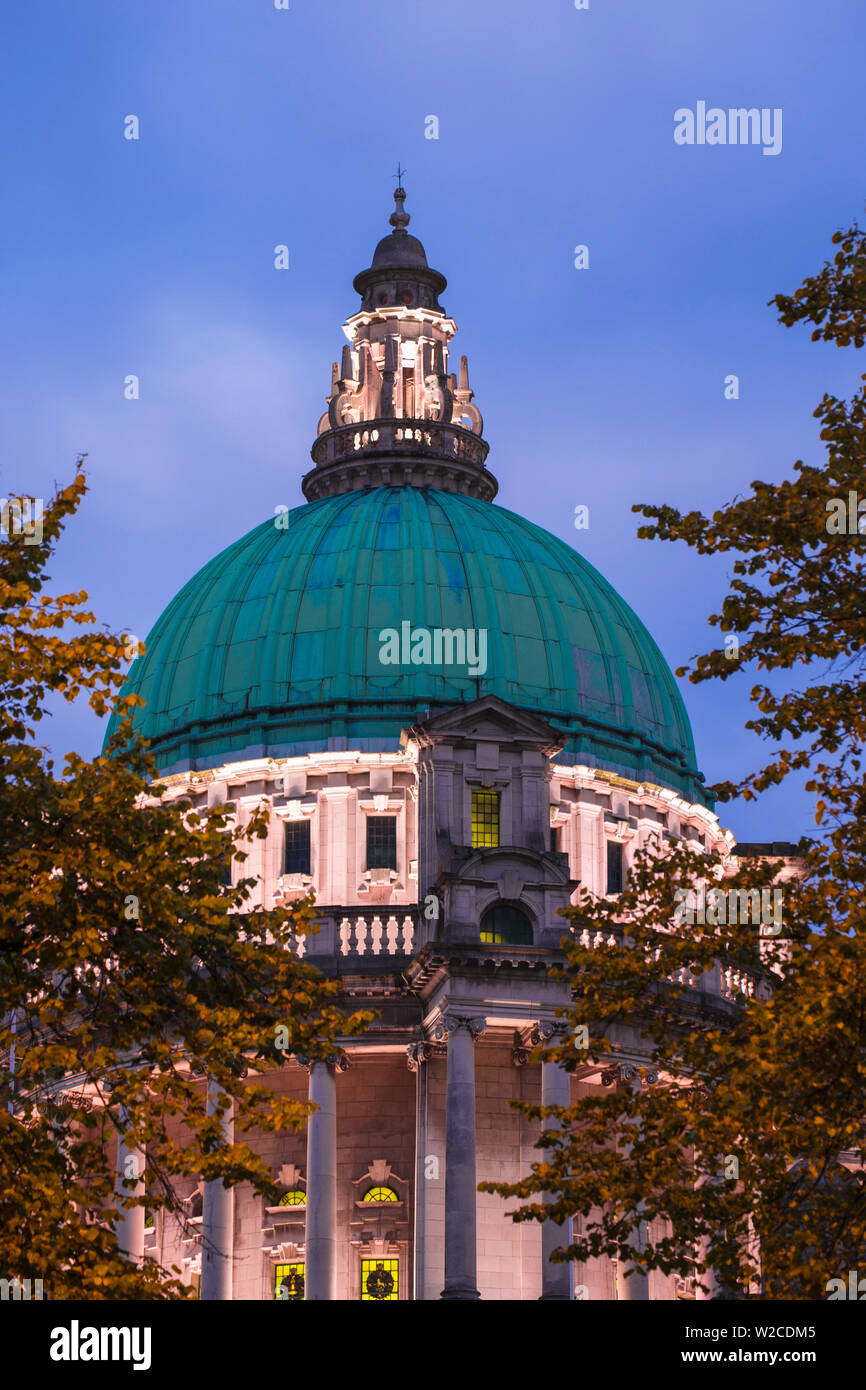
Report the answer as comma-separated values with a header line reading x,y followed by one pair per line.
x,y
377,933
363,933
450,441
396,451
725,980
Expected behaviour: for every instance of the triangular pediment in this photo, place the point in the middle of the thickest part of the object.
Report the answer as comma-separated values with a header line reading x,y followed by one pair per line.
x,y
489,719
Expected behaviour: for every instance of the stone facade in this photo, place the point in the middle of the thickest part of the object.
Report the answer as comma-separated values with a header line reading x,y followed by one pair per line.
x,y
426,1091
439,868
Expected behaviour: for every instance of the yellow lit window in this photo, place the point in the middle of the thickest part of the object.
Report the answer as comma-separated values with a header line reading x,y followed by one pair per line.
x,y
506,925
381,1194
485,820
379,1281
295,1197
289,1283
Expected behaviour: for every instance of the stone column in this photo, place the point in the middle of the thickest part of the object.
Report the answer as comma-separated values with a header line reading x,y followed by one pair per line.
x,y
417,1055
130,1224
218,1219
320,1274
557,1282
632,1284
460,1180
709,1279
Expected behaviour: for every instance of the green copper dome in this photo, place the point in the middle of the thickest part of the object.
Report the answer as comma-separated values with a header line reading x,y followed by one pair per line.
x,y
276,646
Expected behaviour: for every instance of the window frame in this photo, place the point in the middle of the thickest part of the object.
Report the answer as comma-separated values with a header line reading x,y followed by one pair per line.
x,y
289,826
612,844
489,825
373,821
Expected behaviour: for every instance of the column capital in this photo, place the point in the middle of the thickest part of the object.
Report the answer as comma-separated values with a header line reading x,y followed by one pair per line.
x,y
629,1074
339,1063
452,1023
521,1047
418,1052
549,1029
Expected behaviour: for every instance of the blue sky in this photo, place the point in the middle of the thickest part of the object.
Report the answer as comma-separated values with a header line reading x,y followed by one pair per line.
x,y
259,127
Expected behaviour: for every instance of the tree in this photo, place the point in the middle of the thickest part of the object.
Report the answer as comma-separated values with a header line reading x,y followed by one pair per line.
x,y
739,1146
129,972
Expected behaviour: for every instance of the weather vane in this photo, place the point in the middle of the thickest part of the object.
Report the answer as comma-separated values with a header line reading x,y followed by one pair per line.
x,y
399,175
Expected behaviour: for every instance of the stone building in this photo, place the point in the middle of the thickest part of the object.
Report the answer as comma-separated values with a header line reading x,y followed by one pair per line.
x,y
455,720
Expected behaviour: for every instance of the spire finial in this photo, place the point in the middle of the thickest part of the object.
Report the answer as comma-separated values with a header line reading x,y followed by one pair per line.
x,y
399,219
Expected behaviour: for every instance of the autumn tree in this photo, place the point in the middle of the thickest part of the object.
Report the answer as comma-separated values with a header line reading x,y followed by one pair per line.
x,y
748,1150
129,972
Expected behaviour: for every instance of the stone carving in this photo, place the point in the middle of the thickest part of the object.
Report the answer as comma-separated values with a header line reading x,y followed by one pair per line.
x,y
627,1072
519,1050
450,1023
551,1030
418,1052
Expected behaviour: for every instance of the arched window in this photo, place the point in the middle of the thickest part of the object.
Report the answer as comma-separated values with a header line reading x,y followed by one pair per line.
x,y
295,1197
506,926
380,1194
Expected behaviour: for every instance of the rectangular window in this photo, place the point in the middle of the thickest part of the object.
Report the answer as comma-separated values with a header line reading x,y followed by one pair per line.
x,y
554,839
297,858
408,393
379,1281
382,842
289,1283
485,820
615,871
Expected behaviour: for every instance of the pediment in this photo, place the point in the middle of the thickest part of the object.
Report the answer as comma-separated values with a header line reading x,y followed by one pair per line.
x,y
490,720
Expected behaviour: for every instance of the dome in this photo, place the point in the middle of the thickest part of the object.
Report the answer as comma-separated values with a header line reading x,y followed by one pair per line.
x,y
399,250
276,646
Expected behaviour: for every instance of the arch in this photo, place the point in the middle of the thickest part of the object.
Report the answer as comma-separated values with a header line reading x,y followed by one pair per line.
x,y
380,1193
295,1197
503,924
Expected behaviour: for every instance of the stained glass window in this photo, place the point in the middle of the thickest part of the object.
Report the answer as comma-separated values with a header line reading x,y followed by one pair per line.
x,y
381,1194
382,842
295,1197
485,820
289,1283
379,1281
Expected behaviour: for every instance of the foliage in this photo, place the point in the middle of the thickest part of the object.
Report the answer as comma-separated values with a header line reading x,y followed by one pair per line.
x,y
128,972
746,1156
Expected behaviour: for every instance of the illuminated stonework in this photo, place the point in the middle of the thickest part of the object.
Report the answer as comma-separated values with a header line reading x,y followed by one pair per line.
x,y
438,864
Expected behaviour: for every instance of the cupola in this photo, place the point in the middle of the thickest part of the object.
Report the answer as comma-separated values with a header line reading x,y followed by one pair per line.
x,y
397,415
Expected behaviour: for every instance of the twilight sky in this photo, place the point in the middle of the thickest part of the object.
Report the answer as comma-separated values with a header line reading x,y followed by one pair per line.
x,y
601,387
